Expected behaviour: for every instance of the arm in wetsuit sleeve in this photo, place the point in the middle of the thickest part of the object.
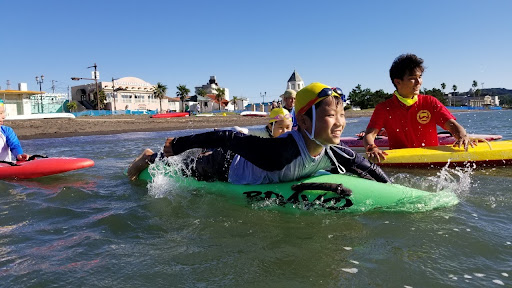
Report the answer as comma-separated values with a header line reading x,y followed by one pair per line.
x,y
269,154
358,165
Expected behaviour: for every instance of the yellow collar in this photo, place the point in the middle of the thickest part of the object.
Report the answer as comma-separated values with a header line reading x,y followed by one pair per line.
x,y
406,101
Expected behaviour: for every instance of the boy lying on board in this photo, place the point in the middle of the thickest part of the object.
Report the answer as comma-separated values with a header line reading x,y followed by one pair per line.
x,y
245,159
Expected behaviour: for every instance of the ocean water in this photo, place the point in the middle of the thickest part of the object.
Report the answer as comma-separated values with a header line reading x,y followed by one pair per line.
x,y
94,228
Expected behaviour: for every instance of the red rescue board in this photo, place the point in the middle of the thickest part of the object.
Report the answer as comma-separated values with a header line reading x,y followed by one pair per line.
x,y
42,167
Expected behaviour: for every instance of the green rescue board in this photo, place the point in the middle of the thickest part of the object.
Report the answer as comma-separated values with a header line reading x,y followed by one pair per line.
x,y
366,194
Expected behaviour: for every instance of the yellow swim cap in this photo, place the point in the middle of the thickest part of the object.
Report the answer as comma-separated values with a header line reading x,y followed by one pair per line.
x,y
279,114
312,94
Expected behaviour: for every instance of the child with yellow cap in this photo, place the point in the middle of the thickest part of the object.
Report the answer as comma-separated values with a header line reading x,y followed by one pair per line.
x,y
279,123
245,159
10,147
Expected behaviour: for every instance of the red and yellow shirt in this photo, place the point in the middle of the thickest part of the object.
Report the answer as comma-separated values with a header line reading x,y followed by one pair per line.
x,y
410,126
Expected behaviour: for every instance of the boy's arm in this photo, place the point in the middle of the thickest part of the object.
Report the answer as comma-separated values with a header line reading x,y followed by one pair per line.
x,y
12,141
269,154
460,134
358,165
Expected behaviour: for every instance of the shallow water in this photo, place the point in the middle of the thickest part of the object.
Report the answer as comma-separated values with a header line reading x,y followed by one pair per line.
x,y
94,228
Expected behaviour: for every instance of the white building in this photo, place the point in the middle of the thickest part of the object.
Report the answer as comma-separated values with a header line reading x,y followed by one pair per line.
x,y
211,88
22,101
131,93
295,82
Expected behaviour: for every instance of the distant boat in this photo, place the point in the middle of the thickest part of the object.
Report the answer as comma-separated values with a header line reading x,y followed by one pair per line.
x,y
40,116
204,115
171,115
254,113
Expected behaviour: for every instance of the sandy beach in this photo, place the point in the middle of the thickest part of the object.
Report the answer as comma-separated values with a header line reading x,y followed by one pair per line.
x,y
113,124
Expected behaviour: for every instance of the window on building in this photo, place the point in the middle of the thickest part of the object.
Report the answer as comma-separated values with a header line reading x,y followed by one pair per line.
x,y
139,98
126,98
151,98
293,86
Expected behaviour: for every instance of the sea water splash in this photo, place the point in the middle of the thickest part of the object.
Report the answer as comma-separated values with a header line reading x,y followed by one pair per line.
x,y
447,186
161,184
456,180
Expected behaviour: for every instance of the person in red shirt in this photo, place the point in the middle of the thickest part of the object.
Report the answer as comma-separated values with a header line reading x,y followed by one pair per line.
x,y
410,118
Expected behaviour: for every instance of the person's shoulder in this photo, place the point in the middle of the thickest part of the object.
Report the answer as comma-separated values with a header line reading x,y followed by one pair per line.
x,y
429,98
385,104
6,129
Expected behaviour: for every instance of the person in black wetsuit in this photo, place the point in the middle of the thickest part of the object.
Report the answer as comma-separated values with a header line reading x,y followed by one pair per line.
x,y
245,159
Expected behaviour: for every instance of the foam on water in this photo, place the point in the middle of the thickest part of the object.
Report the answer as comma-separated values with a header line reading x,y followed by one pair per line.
x,y
164,186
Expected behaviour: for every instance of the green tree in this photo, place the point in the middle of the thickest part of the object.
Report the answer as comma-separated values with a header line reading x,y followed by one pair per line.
x,y
437,93
474,85
183,94
378,97
234,100
221,92
478,92
360,97
443,86
159,92
72,106
102,99
201,92
454,88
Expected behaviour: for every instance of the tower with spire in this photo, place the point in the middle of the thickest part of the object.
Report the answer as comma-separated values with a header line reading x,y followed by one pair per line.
x,y
295,82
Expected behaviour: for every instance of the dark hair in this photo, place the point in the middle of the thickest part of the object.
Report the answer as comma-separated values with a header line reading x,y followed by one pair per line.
x,y
403,65
309,112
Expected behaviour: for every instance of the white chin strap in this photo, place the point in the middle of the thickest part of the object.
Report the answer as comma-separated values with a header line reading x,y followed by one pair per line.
x,y
327,147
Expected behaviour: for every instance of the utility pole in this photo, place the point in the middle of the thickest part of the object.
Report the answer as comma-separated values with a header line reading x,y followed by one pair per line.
x,y
96,80
40,90
113,91
53,86
263,103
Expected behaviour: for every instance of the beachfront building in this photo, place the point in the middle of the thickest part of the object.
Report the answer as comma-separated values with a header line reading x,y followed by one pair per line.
x,y
127,93
295,82
211,88
22,101
240,104
473,101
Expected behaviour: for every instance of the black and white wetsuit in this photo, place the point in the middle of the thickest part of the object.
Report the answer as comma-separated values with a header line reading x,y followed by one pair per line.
x,y
246,159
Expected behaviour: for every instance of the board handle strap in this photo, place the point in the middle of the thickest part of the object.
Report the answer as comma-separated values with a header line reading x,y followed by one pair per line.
x,y
331,187
33,157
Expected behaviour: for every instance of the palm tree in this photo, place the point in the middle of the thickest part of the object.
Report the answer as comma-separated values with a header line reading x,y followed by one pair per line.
x,y
221,92
454,88
201,92
474,85
159,92
234,100
102,98
182,93
72,106
443,86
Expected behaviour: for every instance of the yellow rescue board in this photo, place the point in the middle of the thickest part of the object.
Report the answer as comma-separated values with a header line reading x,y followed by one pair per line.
x,y
496,153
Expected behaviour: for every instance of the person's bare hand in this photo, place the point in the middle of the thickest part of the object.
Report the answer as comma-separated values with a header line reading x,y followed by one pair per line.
x,y
465,141
22,157
376,155
168,147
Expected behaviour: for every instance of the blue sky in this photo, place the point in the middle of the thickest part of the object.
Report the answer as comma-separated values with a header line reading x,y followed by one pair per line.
x,y
253,46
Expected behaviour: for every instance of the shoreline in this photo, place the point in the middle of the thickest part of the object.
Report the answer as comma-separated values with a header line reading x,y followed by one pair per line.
x,y
116,124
